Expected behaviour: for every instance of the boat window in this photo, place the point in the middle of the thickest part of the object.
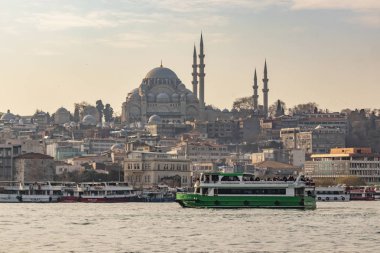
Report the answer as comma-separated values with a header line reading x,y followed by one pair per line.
x,y
205,191
215,178
281,191
230,178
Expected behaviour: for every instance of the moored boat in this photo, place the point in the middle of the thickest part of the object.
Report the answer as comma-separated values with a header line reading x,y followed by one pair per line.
x,y
332,193
37,192
362,193
242,190
101,192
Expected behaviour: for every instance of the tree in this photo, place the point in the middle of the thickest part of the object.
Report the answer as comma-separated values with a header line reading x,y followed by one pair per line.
x,y
277,108
304,108
242,104
351,181
108,113
100,108
76,116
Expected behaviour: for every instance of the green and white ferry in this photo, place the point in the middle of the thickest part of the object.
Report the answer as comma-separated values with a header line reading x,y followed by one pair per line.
x,y
242,190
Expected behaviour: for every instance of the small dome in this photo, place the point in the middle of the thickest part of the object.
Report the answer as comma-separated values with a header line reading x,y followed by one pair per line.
x,y
89,120
8,116
225,110
182,87
190,97
150,97
175,97
161,72
163,98
118,147
154,120
61,110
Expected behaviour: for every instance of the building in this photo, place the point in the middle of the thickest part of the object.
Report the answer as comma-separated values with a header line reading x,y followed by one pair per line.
x,y
62,150
317,140
8,152
155,126
201,151
99,145
33,167
296,157
345,162
162,93
149,169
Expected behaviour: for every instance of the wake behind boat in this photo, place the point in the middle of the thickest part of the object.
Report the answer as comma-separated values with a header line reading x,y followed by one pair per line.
x,y
238,190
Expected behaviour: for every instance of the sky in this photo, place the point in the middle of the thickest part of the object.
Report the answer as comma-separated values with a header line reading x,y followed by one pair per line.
x,y
55,53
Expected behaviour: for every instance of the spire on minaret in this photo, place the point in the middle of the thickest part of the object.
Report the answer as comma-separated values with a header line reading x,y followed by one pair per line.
x,y
161,63
201,75
195,73
255,95
265,89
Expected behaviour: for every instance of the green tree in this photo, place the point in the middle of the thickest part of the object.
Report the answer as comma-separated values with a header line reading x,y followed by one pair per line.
x,y
108,113
100,108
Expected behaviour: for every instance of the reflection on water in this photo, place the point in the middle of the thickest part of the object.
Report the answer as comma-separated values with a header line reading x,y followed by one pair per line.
x,y
166,227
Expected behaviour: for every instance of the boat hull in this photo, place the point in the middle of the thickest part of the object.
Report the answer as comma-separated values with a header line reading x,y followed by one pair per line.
x,y
101,199
202,201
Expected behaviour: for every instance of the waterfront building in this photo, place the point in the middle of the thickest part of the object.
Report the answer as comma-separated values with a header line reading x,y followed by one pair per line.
x,y
32,167
345,162
149,169
8,152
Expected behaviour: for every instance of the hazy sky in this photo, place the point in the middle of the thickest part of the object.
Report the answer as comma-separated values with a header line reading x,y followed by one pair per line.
x,y
54,53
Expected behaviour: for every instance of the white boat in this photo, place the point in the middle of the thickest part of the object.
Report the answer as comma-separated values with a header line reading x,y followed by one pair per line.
x,y
332,193
101,192
37,192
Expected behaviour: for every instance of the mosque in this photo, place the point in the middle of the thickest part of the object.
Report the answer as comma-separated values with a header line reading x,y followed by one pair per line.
x,y
161,93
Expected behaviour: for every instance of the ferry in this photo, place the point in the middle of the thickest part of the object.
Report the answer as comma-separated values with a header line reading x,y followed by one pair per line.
x,y
243,190
362,193
37,192
101,192
332,193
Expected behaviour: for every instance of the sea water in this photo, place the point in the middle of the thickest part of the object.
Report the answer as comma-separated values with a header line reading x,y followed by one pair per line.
x,y
167,227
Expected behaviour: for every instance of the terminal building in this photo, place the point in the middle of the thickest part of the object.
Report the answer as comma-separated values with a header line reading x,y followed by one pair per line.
x,y
345,162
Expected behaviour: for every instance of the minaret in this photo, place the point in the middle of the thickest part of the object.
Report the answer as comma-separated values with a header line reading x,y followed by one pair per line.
x,y
195,74
265,89
201,75
255,95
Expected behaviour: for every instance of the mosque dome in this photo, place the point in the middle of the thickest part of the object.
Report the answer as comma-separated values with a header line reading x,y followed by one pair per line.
x,y
61,110
150,97
162,73
89,120
163,98
175,97
8,116
154,120
118,147
62,116
190,97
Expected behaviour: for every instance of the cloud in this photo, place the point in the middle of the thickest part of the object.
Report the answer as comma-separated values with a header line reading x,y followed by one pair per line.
x,y
354,5
366,12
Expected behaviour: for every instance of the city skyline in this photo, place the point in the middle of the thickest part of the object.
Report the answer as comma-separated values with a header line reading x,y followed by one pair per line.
x,y
57,53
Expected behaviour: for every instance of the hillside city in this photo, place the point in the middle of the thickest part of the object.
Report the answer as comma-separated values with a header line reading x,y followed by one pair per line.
x,y
167,134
